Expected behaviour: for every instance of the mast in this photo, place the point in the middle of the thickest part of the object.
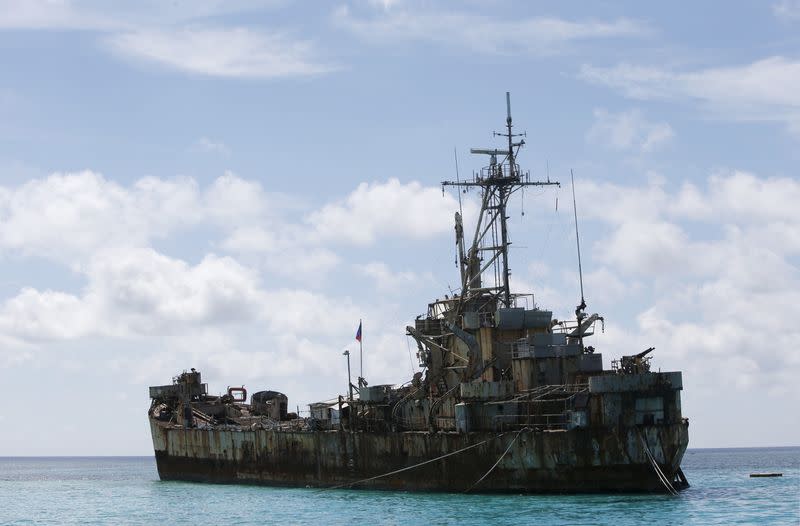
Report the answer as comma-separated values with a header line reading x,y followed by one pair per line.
x,y
580,310
503,199
361,382
577,237
497,182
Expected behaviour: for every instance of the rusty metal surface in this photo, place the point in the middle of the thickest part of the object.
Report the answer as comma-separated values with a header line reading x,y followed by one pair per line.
x,y
519,391
635,382
580,460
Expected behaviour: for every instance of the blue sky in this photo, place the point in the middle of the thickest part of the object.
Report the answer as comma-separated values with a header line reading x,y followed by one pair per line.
x,y
232,185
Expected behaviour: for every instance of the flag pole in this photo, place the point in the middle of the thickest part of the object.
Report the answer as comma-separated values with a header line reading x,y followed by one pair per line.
x,y
361,353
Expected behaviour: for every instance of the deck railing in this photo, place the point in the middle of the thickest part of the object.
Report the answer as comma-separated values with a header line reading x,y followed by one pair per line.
x,y
550,421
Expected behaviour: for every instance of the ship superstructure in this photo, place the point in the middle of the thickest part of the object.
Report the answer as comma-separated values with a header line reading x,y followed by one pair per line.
x,y
509,398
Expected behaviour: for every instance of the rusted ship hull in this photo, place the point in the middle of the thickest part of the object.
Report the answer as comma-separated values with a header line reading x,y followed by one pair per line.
x,y
578,460
507,398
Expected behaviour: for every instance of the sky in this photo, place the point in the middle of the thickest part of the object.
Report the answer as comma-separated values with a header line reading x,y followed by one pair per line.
x,y
233,185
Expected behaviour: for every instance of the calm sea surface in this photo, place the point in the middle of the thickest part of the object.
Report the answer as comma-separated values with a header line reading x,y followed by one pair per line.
x,y
104,490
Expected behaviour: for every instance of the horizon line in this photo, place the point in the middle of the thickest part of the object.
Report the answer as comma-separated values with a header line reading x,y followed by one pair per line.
x,y
153,455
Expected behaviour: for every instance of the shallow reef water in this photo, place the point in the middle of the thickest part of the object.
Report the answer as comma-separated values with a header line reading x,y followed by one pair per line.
x,y
126,490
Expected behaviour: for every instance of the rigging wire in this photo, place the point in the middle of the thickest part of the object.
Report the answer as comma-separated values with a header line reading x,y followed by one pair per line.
x,y
498,460
410,359
442,457
549,228
577,237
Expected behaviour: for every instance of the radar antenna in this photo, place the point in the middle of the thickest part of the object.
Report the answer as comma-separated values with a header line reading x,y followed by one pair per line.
x,y
497,182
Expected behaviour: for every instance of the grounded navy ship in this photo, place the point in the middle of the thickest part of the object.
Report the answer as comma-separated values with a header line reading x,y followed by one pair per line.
x,y
509,400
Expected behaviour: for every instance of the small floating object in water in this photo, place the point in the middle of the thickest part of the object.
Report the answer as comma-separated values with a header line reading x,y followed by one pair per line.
x,y
753,475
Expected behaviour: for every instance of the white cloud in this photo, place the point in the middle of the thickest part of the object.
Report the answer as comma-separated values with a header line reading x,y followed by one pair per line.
x,y
483,34
66,216
223,52
103,231
765,90
735,197
788,10
167,33
52,14
608,284
707,273
388,280
161,314
136,292
232,200
390,209
284,249
70,218
652,229
628,130
297,310
745,198
151,291
373,212
44,315
656,247
100,15
719,298
618,204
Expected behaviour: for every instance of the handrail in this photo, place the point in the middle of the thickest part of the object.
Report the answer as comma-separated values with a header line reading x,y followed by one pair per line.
x,y
436,403
402,401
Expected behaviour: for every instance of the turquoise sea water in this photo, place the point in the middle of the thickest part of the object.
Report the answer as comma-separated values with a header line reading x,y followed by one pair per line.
x,y
105,490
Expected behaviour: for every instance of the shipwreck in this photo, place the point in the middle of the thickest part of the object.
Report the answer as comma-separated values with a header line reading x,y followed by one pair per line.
x,y
508,399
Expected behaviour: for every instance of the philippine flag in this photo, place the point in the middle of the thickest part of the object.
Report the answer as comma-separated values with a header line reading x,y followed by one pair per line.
x,y
358,333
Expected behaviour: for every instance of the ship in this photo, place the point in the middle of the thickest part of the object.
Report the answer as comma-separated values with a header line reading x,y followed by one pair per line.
x,y
507,399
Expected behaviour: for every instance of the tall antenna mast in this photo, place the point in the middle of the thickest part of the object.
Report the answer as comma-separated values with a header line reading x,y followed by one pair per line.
x,y
580,313
503,199
510,136
577,237
458,179
498,182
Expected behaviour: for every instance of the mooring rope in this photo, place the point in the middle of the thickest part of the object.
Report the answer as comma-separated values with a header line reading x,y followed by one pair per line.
x,y
350,484
660,474
654,464
664,478
498,460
